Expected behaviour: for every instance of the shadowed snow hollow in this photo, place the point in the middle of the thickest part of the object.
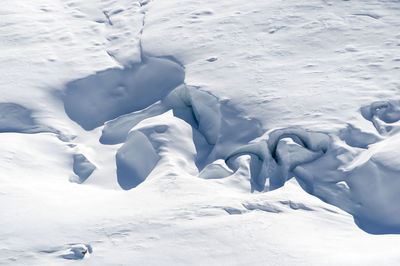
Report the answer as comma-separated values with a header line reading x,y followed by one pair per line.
x,y
93,100
16,118
82,167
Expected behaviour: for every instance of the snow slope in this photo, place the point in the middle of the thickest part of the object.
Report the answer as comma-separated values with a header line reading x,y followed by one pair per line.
x,y
199,132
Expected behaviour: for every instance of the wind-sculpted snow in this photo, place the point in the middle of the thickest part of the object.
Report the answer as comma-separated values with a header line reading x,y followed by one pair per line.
x,y
165,124
364,183
93,100
356,138
375,186
217,124
159,140
383,115
274,159
135,160
215,170
16,118
71,251
82,167
199,132
336,172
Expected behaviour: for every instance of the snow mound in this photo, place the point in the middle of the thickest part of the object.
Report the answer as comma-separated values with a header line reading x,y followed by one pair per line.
x,y
364,182
216,124
375,184
163,141
93,100
135,160
198,108
71,251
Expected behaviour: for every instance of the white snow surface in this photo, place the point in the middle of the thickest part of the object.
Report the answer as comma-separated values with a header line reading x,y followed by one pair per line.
x,y
166,132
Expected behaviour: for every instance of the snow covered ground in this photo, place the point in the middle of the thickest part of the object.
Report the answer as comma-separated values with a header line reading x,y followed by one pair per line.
x,y
195,132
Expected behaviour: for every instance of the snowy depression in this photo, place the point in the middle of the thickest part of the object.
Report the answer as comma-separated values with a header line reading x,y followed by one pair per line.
x,y
192,133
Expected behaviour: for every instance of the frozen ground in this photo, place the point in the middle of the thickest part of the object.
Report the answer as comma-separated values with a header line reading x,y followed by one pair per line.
x,y
199,132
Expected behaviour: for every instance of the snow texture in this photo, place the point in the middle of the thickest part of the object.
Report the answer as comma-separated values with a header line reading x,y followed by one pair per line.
x,y
16,118
188,133
82,167
110,93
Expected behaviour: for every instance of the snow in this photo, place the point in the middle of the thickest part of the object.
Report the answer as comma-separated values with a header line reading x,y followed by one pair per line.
x,y
82,168
135,160
108,94
199,132
16,118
